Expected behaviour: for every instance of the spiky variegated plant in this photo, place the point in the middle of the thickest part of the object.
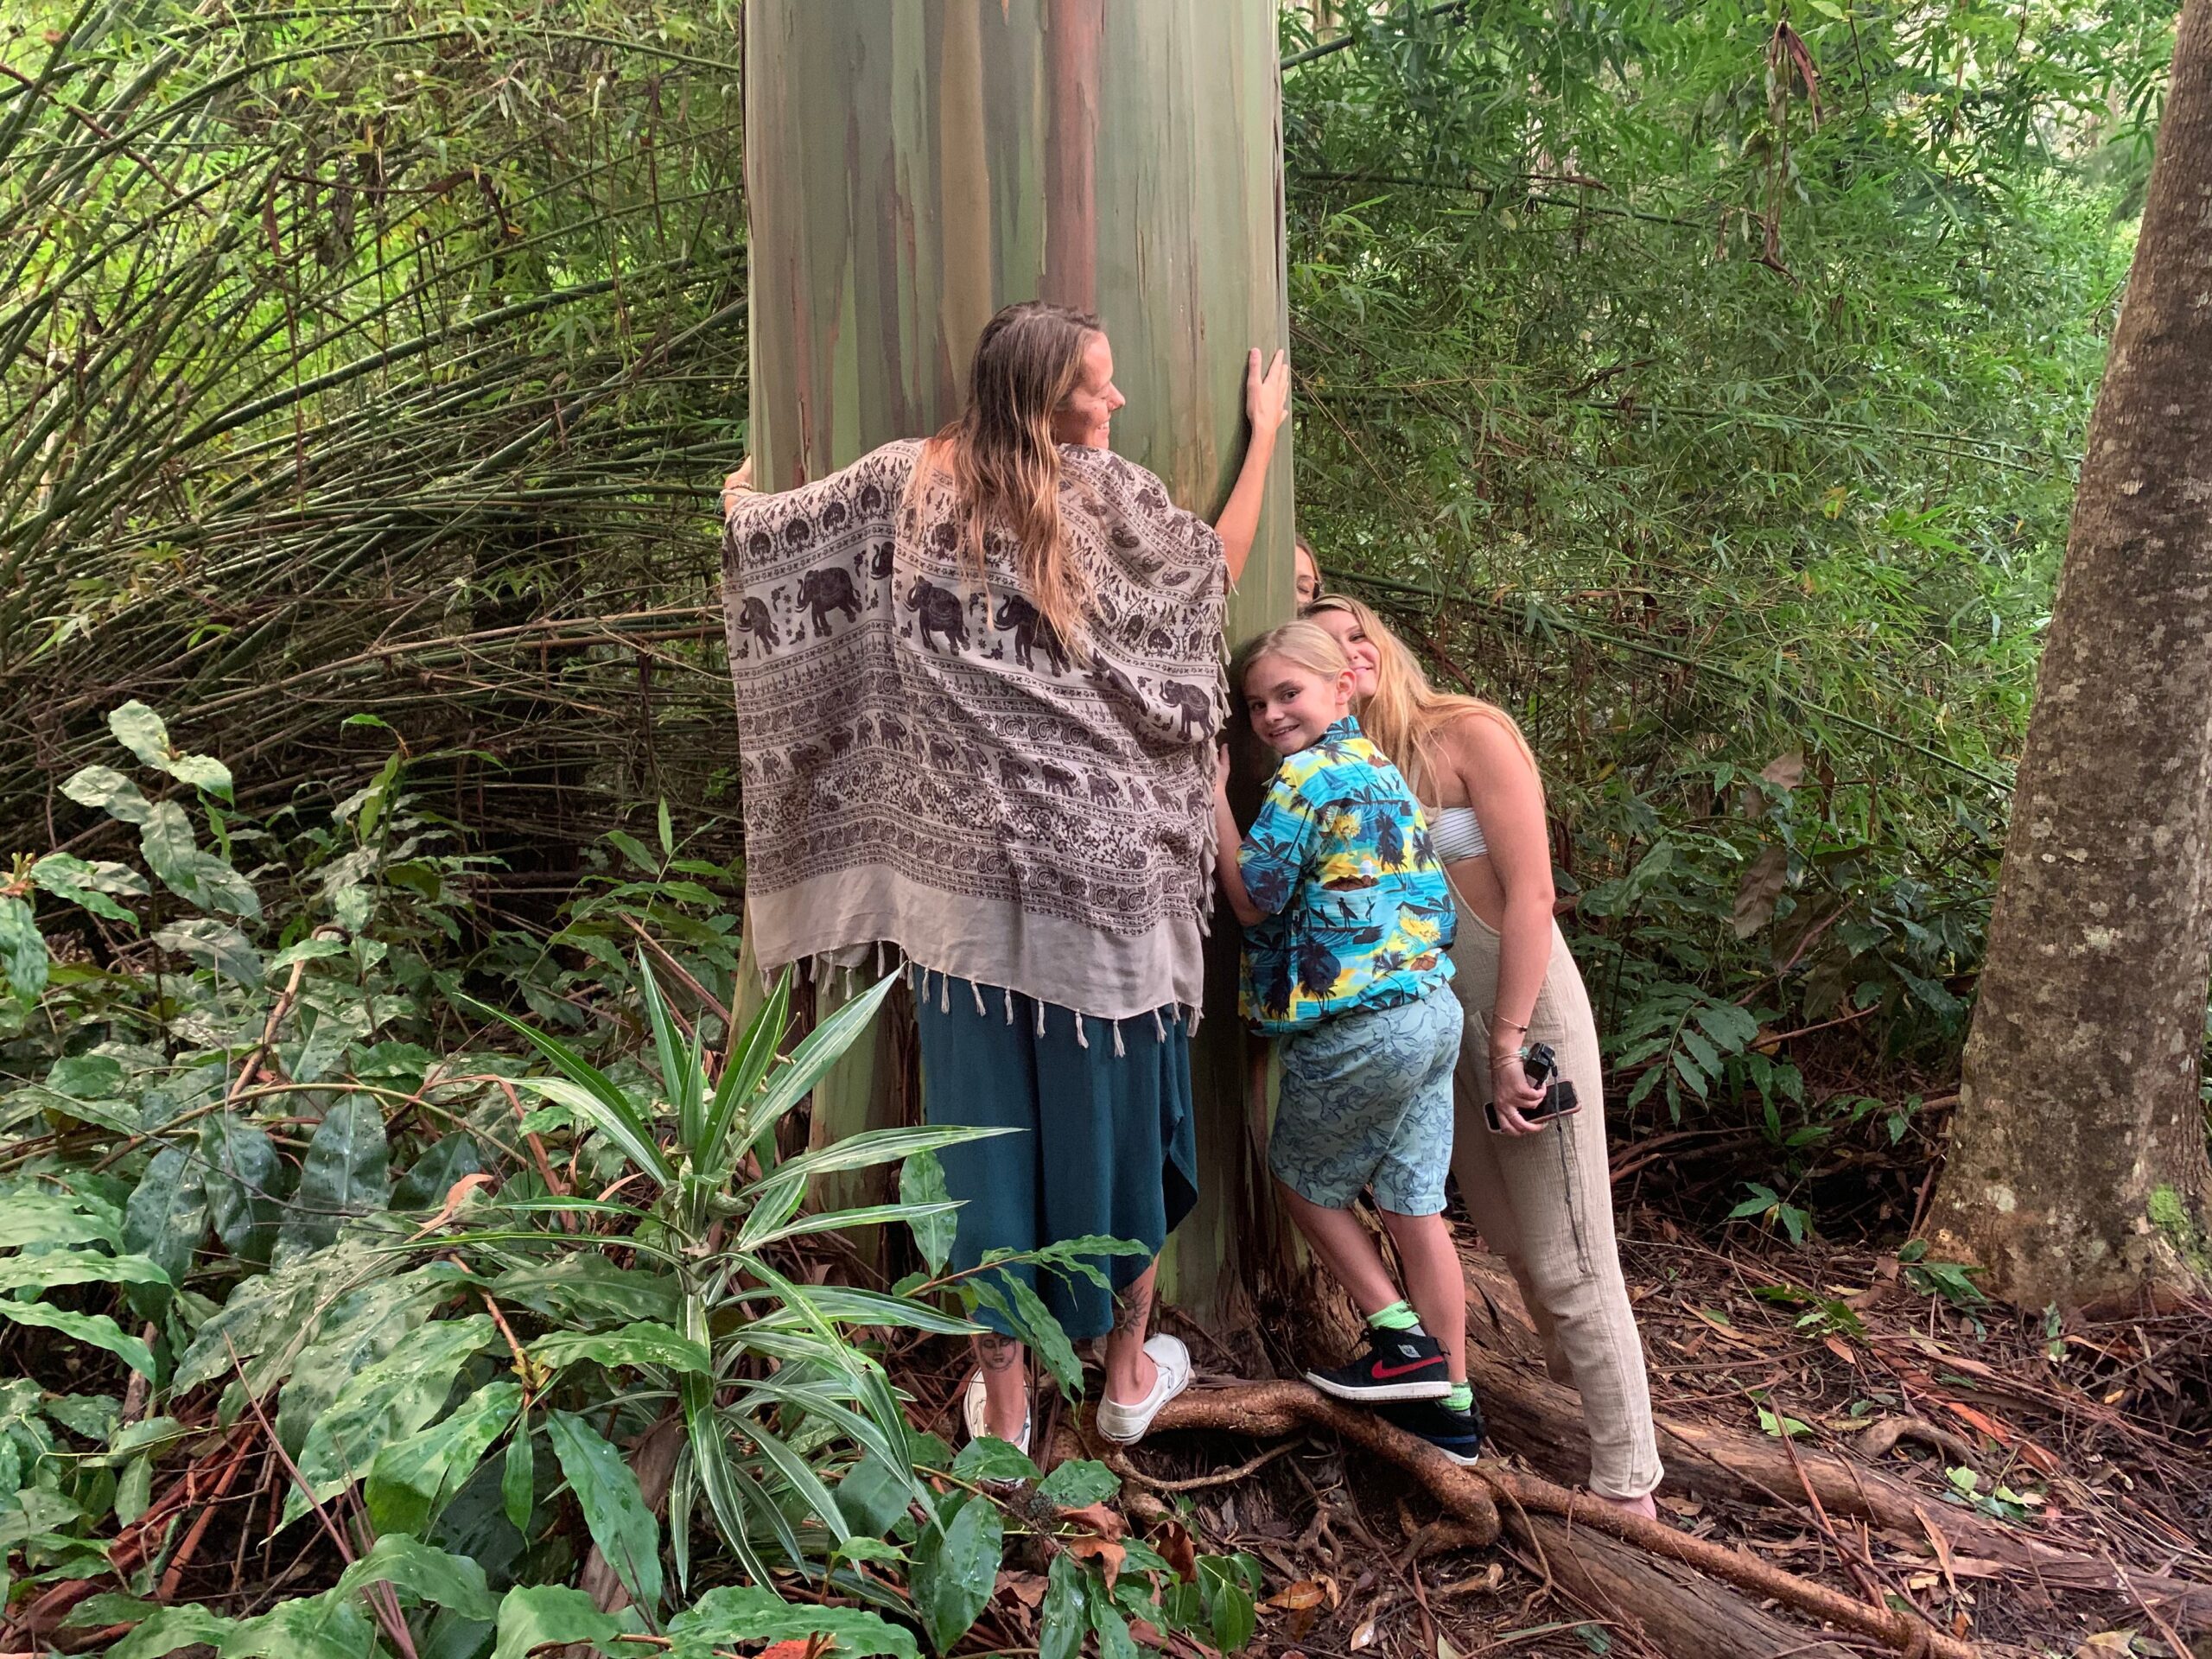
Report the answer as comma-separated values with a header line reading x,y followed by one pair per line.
x,y
752,1343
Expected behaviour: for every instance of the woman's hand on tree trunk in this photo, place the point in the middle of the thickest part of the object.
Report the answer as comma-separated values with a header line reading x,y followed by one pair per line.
x,y
1266,396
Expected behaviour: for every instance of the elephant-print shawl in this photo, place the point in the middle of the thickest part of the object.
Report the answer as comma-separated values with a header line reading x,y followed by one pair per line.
x,y
927,767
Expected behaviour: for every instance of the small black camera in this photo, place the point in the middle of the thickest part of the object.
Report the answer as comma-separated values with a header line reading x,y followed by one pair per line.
x,y
1542,1066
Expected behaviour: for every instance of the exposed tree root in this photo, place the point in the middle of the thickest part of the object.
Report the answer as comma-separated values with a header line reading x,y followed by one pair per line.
x,y
1474,1496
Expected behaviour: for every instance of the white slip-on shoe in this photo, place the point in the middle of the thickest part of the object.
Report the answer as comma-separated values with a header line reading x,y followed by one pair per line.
x,y
1126,1423
978,1420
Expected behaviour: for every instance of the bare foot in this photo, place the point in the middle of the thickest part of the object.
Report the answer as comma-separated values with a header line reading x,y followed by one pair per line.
x,y
1643,1506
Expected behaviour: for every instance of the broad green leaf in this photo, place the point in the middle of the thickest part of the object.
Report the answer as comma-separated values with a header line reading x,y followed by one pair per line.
x,y
168,1212
921,1180
87,1077
1227,1594
387,1402
140,730
111,792
425,1573
70,879
615,1510
171,850
589,1288
1065,1615
956,1566
201,772
539,1615
35,1272
519,1477
744,1615
328,1626
164,1630
23,951
315,949
271,1317
47,1216
450,1159
411,1479
1114,1641
873,1494
244,1180
1044,1335
345,1173
1078,1482
632,1344
991,1458
216,946
97,1329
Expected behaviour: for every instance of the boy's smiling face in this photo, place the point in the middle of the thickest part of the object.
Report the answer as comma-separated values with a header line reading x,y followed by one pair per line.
x,y
1291,706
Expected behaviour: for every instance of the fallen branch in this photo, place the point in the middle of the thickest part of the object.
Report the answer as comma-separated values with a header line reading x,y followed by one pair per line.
x,y
1473,1495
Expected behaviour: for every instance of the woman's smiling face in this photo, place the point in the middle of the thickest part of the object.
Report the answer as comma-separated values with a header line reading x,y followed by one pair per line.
x,y
1366,661
1087,417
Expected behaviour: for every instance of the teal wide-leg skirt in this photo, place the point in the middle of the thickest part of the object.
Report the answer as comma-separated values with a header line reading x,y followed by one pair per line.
x,y
1106,1143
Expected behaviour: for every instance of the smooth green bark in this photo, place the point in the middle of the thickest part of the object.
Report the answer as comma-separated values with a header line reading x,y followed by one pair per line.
x,y
912,167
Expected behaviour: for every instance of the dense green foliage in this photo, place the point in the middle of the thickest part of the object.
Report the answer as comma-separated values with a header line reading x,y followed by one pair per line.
x,y
1703,380
321,1207
1727,365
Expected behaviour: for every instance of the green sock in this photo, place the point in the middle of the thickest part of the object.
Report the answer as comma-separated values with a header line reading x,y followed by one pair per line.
x,y
1462,1397
1399,1316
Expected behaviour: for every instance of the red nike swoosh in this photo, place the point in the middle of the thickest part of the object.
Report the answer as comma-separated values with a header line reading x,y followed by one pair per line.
x,y
1384,1372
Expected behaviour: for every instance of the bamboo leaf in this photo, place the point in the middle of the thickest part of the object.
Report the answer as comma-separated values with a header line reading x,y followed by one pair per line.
x,y
823,1048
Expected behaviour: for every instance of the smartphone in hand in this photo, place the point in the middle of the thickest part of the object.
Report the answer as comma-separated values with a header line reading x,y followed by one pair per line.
x,y
1541,1065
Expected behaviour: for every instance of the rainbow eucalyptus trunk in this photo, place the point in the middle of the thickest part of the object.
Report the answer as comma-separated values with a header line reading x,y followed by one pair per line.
x,y
912,167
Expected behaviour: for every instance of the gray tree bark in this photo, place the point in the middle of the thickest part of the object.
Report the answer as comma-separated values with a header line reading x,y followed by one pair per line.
x,y
2077,1172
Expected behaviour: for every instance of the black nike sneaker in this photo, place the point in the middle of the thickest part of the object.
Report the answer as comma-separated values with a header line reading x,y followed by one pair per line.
x,y
1457,1434
1397,1365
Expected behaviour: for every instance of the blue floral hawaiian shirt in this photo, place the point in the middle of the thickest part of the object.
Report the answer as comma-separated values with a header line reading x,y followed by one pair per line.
x,y
1359,911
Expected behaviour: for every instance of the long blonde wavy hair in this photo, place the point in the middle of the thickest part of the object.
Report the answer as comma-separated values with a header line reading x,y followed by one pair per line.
x,y
1407,714
1005,463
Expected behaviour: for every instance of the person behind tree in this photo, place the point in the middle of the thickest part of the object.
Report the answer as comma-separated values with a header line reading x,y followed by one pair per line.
x,y
1540,1191
1309,572
1347,919
978,687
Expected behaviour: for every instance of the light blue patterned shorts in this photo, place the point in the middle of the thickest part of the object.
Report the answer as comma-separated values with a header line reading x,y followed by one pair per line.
x,y
1367,1102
